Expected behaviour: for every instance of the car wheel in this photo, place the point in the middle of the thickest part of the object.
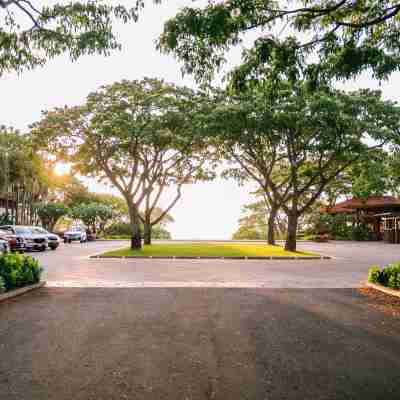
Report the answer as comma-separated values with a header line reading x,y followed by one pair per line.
x,y
53,247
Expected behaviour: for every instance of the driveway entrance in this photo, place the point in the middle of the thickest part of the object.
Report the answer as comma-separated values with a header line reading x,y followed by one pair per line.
x,y
70,266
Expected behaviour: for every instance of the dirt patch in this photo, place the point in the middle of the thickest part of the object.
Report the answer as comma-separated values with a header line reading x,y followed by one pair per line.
x,y
382,301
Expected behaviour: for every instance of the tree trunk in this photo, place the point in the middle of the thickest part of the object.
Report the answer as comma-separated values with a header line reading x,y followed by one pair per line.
x,y
136,239
271,225
147,233
290,244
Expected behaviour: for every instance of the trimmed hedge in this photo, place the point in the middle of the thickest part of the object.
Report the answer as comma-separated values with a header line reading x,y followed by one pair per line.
x,y
18,270
388,276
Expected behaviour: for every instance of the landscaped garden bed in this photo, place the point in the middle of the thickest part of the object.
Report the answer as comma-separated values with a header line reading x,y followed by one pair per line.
x,y
386,279
18,273
209,250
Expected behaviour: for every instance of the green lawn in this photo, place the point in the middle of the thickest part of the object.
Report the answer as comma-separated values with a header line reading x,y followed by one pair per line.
x,y
210,249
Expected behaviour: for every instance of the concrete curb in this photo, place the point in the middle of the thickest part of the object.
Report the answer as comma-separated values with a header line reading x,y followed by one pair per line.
x,y
18,292
383,289
99,256
203,240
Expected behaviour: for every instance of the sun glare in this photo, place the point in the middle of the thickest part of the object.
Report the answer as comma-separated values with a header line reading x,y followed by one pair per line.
x,y
61,168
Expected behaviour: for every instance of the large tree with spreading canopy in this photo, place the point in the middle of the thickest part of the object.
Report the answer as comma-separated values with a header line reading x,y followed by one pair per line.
x,y
294,142
137,135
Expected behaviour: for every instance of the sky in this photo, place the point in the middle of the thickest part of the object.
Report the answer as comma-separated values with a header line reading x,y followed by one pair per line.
x,y
207,210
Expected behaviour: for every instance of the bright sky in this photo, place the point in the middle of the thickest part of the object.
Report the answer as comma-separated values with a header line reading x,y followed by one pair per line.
x,y
206,211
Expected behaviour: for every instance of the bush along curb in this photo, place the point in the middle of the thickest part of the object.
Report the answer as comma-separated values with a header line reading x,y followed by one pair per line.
x,y
99,256
18,292
383,289
388,277
18,274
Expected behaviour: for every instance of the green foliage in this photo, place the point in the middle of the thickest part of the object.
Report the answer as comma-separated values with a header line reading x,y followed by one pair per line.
x,y
2,285
294,142
19,270
50,213
374,274
249,233
118,229
340,227
31,34
122,230
6,219
346,37
140,136
93,215
388,276
362,232
337,226
24,175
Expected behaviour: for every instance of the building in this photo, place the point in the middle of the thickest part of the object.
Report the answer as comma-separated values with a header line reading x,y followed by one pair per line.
x,y
380,213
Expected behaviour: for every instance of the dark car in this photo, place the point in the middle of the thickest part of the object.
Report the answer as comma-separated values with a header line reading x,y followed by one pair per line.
x,y
16,243
53,239
32,240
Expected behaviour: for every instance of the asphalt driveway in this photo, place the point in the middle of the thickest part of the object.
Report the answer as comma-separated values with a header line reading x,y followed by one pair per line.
x,y
181,344
141,329
70,266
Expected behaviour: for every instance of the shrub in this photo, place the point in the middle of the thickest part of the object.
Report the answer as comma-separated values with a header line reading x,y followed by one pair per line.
x,y
374,274
17,270
2,285
363,232
388,276
122,230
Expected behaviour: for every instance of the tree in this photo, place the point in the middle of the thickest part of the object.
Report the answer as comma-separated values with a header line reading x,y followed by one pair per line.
x,y
138,135
260,221
95,216
24,178
116,203
374,175
50,213
245,232
345,36
31,34
294,142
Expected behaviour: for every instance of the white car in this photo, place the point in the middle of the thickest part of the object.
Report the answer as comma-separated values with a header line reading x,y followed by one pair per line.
x,y
75,233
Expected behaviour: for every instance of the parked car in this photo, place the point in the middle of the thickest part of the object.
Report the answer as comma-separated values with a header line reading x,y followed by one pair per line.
x,y
53,239
15,243
4,246
75,233
32,240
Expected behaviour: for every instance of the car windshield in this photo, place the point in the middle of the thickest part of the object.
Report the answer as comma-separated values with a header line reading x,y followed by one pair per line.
x,y
22,230
37,229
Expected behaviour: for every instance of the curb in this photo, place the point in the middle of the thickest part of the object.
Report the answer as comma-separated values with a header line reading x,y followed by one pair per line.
x,y
18,292
383,289
211,257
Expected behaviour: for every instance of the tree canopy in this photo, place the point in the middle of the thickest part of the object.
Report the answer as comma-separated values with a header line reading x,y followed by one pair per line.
x,y
294,142
31,33
139,136
344,37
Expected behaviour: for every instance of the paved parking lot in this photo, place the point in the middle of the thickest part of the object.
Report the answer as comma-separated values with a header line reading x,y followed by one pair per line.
x,y
70,266
114,340
197,344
